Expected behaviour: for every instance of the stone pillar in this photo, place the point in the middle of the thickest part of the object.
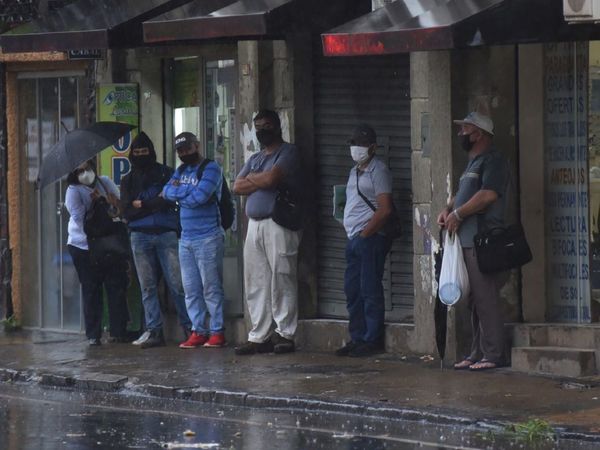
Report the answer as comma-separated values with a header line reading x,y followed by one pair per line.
x,y
270,75
303,131
431,175
531,157
5,259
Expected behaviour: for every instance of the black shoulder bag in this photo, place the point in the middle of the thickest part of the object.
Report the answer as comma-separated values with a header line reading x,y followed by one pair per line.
x,y
393,227
288,207
108,240
501,248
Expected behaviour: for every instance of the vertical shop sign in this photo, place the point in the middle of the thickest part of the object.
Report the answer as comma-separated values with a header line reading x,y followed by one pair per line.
x,y
118,103
567,225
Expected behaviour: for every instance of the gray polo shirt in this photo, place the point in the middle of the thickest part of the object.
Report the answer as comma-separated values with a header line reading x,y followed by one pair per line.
x,y
488,171
374,180
260,204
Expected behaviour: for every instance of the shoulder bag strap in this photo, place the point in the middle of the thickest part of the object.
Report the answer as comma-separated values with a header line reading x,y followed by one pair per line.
x,y
103,186
365,199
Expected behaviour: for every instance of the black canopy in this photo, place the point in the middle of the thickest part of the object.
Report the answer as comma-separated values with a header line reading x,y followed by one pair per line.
x,y
226,19
415,25
214,19
87,24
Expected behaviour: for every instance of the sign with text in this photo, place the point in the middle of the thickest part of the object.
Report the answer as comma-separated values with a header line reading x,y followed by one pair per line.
x,y
118,103
85,54
566,156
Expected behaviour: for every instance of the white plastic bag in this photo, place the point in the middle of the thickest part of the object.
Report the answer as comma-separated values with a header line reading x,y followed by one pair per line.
x,y
454,279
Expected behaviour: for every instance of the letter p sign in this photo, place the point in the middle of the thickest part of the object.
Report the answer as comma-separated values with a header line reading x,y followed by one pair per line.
x,y
120,167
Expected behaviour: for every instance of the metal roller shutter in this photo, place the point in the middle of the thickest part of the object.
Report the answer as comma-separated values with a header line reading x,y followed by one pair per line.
x,y
377,91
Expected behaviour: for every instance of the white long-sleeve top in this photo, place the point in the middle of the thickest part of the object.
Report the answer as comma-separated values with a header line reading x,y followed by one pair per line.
x,y
78,201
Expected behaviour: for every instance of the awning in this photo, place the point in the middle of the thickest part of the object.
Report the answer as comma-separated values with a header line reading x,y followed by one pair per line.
x,y
203,19
415,25
199,20
87,24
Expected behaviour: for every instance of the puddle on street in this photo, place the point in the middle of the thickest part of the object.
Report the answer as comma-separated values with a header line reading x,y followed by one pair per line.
x,y
36,418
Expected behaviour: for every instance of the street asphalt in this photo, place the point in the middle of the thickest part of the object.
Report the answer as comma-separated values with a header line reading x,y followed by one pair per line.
x,y
385,386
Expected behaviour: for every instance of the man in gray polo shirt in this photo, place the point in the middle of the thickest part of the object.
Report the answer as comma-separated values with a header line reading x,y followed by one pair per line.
x,y
270,250
367,246
479,204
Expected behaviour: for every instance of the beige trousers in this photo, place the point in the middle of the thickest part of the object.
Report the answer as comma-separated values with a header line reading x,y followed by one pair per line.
x,y
270,279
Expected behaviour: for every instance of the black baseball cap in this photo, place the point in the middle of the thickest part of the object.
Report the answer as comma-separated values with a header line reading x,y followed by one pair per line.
x,y
363,133
184,139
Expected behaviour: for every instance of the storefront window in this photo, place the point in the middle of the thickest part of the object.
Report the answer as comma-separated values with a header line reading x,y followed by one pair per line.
x,y
187,89
203,99
566,163
594,173
49,107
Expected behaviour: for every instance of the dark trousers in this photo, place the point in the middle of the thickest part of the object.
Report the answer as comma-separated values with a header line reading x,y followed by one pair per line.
x,y
365,258
486,316
113,277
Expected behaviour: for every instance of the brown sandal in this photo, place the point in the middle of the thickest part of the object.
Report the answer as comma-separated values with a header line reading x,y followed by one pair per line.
x,y
465,364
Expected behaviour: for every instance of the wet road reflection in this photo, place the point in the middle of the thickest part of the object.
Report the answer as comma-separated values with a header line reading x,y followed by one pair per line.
x,y
35,418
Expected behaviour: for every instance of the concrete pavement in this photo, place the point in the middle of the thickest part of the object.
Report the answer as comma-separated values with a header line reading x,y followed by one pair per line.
x,y
385,386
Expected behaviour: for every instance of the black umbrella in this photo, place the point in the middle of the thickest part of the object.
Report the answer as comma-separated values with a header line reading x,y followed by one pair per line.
x,y
440,312
78,146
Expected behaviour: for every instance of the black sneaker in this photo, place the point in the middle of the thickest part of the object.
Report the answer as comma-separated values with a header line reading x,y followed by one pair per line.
x,y
94,342
366,349
250,348
282,345
156,339
346,349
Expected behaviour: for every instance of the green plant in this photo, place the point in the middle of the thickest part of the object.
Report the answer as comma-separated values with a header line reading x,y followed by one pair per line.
x,y
11,324
533,432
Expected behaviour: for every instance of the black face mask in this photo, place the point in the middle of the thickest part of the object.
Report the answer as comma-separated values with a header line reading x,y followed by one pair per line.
x,y
466,143
266,137
191,159
141,161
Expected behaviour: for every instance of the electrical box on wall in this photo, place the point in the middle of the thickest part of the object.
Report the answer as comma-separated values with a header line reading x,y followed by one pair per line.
x,y
578,11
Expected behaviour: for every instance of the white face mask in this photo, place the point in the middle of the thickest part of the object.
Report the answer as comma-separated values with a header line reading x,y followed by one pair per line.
x,y
87,177
359,154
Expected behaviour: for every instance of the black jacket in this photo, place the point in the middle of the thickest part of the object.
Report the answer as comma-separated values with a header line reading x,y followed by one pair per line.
x,y
156,213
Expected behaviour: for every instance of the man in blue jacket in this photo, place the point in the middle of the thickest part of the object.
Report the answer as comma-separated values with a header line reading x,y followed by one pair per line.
x,y
154,225
196,187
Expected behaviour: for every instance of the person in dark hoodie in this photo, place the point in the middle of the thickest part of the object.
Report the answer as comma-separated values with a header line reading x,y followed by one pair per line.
x,y
154,225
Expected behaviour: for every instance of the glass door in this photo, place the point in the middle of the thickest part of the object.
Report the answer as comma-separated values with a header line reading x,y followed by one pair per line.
x,y
50,107
220,91
202,94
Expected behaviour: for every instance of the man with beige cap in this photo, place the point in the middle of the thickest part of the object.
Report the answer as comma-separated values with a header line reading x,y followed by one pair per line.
x,y
479,204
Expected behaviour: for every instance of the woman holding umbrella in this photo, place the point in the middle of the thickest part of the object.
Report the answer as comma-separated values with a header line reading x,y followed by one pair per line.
x,y
85,187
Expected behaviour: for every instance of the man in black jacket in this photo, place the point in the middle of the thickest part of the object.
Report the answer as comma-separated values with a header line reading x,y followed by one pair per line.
x,y
154,225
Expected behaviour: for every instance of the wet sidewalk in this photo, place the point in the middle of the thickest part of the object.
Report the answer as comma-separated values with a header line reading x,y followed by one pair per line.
x,y
384,386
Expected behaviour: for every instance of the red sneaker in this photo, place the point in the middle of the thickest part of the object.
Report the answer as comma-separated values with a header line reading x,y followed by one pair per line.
x,y
216,340
195,340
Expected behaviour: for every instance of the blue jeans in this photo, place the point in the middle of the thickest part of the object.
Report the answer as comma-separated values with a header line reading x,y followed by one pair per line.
x,y
152,254
202,274
365,258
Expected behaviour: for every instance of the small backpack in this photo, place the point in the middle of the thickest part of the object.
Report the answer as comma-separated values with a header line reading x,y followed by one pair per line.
x,y
226,205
